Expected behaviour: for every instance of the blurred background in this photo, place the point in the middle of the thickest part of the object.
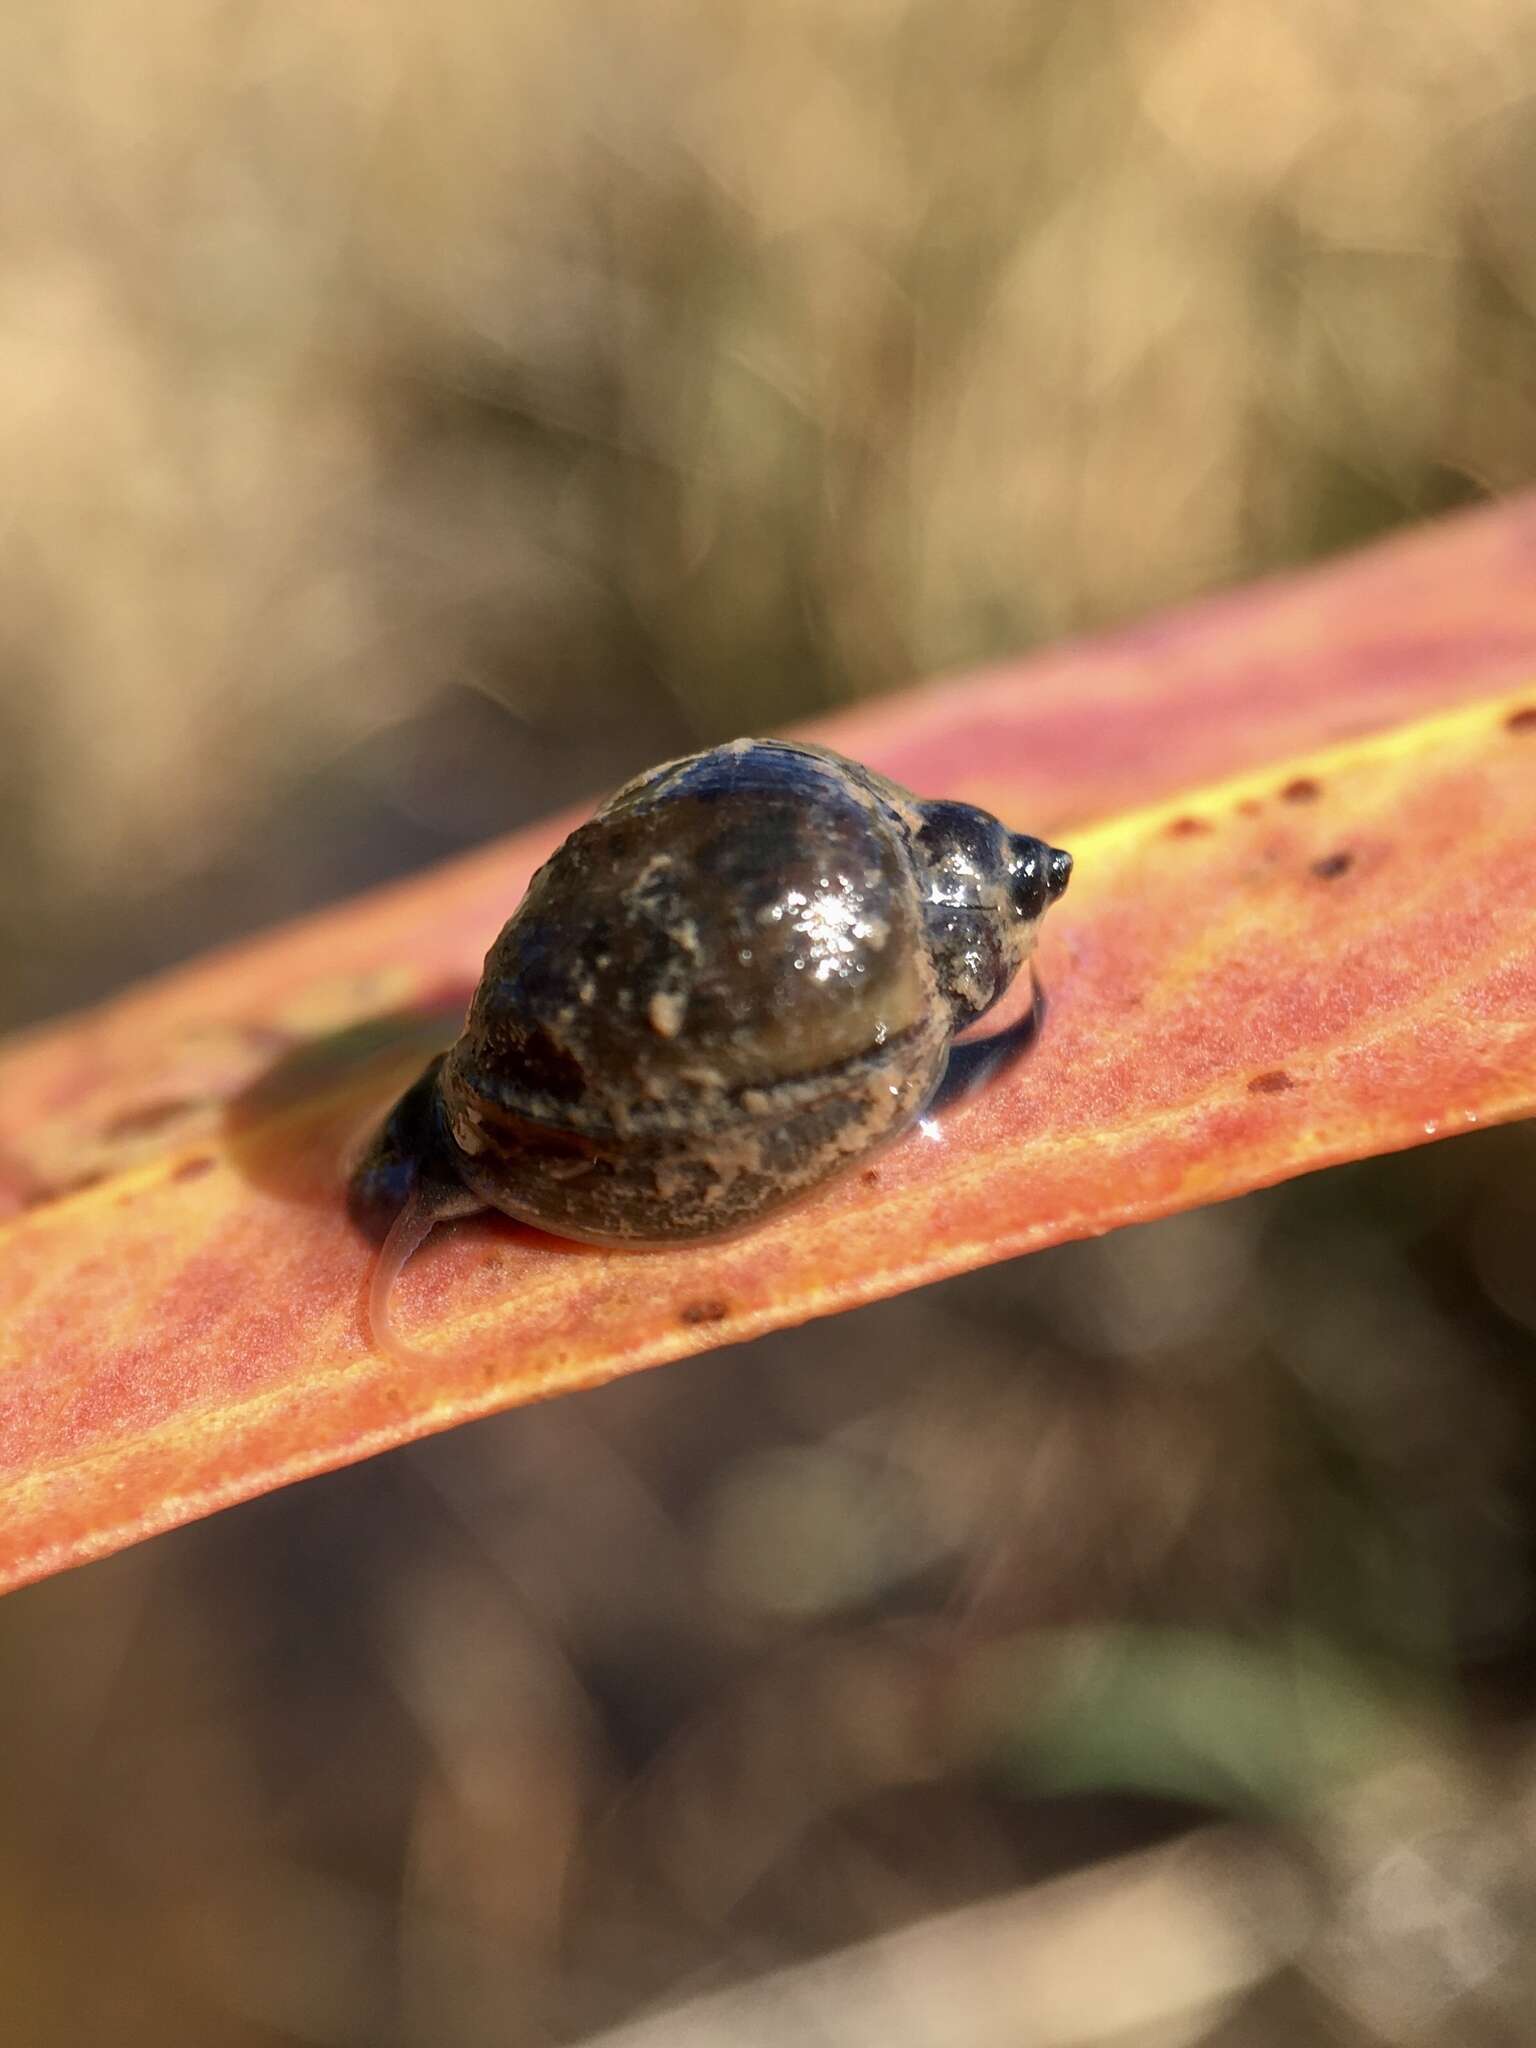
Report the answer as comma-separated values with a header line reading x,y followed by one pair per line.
x,y
416,418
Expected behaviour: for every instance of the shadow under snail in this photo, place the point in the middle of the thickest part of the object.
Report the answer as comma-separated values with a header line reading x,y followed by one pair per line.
x,y
739,978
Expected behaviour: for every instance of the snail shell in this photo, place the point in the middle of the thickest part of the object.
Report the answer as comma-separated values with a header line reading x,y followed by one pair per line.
x,y
741,976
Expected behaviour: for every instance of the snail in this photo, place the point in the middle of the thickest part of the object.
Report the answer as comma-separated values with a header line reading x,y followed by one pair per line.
x,y
739,978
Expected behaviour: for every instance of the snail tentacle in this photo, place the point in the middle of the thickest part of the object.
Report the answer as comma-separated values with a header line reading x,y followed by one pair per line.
x,y
431,1199
415,1221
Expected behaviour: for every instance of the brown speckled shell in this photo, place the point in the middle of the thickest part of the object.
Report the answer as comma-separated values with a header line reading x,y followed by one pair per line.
x,y
714,995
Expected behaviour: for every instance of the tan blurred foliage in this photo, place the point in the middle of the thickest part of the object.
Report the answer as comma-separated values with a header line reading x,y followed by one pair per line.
x,y
670,371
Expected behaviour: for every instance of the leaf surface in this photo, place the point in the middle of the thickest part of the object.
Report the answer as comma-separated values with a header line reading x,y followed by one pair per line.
x,y
1298,966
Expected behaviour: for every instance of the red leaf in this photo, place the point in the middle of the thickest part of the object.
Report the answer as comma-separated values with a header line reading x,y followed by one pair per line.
x,y
1328,959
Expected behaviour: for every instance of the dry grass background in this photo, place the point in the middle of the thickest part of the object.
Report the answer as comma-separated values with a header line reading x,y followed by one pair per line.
x,y
412,418
652,374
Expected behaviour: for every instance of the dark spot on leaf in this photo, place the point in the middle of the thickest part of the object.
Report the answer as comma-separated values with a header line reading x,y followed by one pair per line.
x,y
267,1037
1275,1082
1523,720
194,1168
1332,865
870,1176
35,1197
1303,790
1186,828
693,1312
149,1116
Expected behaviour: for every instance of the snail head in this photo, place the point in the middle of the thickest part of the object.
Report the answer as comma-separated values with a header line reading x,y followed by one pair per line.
x,y
986,890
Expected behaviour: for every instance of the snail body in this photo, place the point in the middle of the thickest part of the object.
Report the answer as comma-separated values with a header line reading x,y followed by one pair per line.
x,y
741,976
